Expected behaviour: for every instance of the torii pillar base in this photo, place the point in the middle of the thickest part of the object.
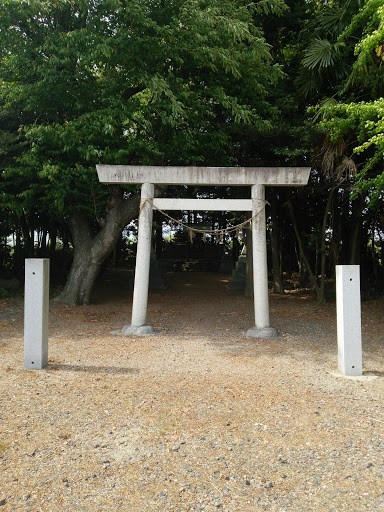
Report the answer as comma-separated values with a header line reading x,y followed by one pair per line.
x,y
142,330
263,333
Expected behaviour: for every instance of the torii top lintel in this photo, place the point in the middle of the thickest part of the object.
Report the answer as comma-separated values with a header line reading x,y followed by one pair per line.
x,y
236,176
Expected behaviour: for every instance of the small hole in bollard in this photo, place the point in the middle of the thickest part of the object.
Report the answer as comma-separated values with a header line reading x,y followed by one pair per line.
x,y
351,279
352,366
33,273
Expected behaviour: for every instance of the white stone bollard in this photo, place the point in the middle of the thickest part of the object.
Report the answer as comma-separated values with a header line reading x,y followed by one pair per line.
x,y
349,319
36,312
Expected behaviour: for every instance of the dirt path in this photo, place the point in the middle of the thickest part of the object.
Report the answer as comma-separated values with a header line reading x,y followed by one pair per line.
x,y
196,417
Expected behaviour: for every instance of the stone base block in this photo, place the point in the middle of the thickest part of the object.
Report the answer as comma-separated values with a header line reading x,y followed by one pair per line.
x,y
263,333
366,376
142,330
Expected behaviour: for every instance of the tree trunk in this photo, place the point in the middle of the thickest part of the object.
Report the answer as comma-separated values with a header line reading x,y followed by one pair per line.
x,y
375,262
301,250
275,245
19,260
249,264
235,249
43,243
355,235
52,241
158,227
323,253
382,259
298,257
91,252
28,239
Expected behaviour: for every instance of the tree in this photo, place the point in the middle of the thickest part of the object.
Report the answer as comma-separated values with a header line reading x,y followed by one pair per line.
x,y
359,125
334,73
327,57
118,81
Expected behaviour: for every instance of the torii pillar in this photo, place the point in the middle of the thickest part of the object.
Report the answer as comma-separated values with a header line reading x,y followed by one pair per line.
x,y
255,177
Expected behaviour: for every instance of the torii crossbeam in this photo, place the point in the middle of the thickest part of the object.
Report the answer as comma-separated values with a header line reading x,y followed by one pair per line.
x,y
255,177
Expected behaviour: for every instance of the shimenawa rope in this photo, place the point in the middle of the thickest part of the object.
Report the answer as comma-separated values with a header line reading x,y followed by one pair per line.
x,y
204,232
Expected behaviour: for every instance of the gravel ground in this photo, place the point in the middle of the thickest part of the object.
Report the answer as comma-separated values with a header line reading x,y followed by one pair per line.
x,y
195,417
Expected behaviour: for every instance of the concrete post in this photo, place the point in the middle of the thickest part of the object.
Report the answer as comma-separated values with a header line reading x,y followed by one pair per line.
x,y
143,258
36,312
262,328
349,319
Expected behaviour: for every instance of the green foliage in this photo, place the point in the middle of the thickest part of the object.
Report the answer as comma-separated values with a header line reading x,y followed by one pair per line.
x,y
327,58
321,54
362,123
368,69
124,82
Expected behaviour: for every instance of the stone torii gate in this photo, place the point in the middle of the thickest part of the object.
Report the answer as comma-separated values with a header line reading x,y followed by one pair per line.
x,y
255,177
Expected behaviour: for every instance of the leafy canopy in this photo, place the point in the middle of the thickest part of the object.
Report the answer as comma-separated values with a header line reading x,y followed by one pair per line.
x,y
118,81
360,124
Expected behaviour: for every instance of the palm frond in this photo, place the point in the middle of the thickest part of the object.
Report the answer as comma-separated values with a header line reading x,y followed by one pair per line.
x,y
321,54
331,22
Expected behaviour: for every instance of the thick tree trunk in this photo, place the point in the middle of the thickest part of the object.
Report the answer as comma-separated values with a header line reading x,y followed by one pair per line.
x,y
90,252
